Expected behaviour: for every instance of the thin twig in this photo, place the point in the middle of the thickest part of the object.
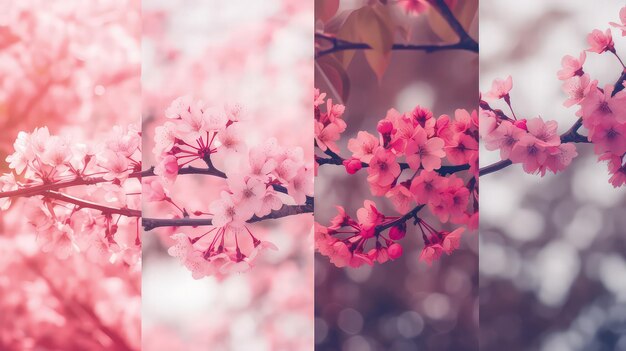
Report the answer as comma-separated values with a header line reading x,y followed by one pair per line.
x,y
570,136
286,210
466,42
409,215
88,204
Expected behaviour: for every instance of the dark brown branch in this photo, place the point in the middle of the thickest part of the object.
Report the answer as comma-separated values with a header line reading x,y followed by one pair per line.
x,y
88,204
285,211
464,38
38,189
409,215
343,45
335,159
466,42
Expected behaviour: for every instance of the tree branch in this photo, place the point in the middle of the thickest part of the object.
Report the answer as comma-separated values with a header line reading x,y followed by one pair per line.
x,y
409,215
570,136
335,159
285,211
88,204
464,37
343,45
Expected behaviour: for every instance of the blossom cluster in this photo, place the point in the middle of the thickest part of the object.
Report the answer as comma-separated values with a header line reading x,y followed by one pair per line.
x,y
532,142
258,181
416,142
81,197
601,111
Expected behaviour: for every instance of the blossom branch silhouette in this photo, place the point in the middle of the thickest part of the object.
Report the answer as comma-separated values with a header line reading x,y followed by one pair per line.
x,y
285,211
466,42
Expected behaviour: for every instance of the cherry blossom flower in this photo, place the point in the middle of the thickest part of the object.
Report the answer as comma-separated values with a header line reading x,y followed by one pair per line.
x,y
363,146
167,169
227,213
430,253
622,25
577,88
600,42
500,88
572,66
383,168
424,152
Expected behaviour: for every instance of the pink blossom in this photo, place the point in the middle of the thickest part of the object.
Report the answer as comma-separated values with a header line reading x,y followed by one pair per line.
x,y
339,254
530,152
7,183
397,232
369,216
167,169
165,138
500,88
326,136
363,146
600,42
414,7
383,168
451,240
352,165
394,251
558,158
598,106
545,132
227,213
622,25
463,147
427,187
572,67
617,169
231,140
401,197
576,88
609,136
504,137
117,165
431,253
301,185
424,152
152,190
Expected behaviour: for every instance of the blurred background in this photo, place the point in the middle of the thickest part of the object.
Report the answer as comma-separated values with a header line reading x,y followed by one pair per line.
x,y
401,305
552,249
73,66
258,54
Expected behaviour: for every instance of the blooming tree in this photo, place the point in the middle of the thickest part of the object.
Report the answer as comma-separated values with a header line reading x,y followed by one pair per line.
x,y
260,182
425,143
70,272
534,142
417,161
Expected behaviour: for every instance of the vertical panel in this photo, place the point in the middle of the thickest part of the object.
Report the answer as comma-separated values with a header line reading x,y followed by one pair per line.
x,y
69,259
227,219
552,246
383,281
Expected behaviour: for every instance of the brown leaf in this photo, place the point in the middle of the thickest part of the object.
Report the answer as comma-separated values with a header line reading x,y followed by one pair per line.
x,y
370,25
325,9
335,75
464,11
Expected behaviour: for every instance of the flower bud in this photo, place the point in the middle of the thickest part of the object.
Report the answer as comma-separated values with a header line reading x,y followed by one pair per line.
x,y
521,124
397,232
394,251
352,165
384,127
